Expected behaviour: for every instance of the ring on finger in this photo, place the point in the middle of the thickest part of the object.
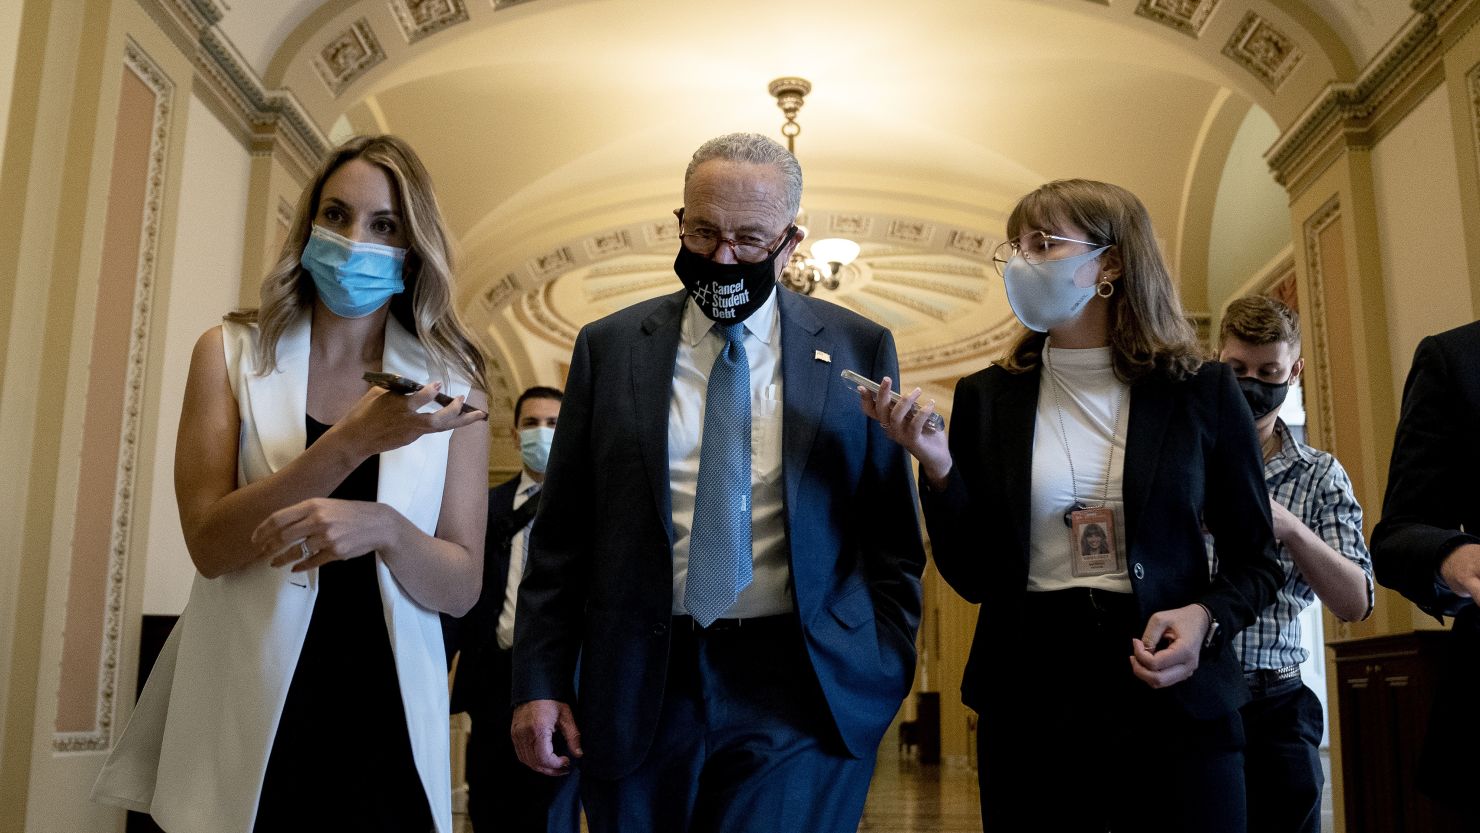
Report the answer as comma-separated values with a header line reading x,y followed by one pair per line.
x,y
303,548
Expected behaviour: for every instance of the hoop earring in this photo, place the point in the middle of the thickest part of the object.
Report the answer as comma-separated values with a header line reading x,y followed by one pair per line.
x,y
1105,288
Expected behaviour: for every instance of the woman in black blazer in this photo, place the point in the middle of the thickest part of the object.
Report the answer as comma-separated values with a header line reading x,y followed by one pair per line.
x,y
1107,688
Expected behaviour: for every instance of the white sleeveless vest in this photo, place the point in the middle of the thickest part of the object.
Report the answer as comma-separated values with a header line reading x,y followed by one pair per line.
x,y
195,751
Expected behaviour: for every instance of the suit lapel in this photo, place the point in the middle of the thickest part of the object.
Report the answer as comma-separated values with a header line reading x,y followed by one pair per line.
x,y
805,383
653,357
1151,410
279,400
1016,412
402,469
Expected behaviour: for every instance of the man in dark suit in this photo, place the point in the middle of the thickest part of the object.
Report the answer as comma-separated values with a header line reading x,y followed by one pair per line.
x,y
1427,545
503,794
726,544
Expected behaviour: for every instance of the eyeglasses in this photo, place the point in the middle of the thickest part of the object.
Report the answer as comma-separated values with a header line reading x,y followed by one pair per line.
x,y
1035,247
747,249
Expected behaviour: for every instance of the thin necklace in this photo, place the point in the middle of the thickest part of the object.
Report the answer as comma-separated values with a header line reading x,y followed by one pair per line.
x,y
1064,438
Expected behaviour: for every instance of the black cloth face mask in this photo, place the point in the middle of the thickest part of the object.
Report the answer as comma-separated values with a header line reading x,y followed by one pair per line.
x,y
728,292
1264,398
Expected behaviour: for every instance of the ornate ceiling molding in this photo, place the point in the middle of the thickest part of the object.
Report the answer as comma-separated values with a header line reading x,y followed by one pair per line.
x,y
420,18
263,116
348,56
1358,114
1186,16
1266,52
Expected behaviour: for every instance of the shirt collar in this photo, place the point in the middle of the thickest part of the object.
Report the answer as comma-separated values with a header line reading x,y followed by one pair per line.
x,y
761,323
1291,451
525,481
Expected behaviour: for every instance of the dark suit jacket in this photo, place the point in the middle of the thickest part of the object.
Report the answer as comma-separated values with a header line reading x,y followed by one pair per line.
x,y
1432,506
474,635
1192,458
599,584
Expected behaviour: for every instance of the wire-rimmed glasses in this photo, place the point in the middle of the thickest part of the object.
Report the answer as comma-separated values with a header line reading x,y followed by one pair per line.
x,y
1035,247
748,249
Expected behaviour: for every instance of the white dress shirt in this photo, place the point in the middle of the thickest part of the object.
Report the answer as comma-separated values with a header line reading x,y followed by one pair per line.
x,y
699,344
505,629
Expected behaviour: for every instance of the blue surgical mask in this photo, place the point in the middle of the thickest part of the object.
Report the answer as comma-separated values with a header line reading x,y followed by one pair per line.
x,y
1046,295
353,279
534,447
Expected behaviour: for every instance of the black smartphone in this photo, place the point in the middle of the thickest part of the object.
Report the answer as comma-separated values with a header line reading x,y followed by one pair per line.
x,y
405,387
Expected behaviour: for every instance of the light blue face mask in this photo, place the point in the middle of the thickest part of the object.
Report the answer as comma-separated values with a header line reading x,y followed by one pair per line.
x,y
1045,295
353,279
534,447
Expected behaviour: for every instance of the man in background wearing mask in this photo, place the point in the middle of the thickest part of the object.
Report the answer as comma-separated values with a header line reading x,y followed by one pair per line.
x,y
1318,524
726,544
503,794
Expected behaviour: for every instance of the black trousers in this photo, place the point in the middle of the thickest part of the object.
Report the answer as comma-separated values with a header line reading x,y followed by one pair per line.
x,y
504,795
744,744
1072,741
1282,759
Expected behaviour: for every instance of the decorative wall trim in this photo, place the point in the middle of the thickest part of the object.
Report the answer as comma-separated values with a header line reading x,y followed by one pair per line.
x,y
1316,320
420,18
1186,16
348,56
1266,52
1350,112
101,737
1472,87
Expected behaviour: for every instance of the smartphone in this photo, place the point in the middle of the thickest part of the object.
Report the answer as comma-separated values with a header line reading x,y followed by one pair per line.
x,y
934,423
405,387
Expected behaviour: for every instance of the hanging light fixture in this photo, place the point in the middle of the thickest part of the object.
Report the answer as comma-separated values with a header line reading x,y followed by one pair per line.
x,y
823,263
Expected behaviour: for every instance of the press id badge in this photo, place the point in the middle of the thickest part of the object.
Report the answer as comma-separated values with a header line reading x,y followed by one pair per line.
x,y
1092,542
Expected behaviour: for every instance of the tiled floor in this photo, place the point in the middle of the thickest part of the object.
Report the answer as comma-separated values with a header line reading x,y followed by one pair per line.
x,y
906,797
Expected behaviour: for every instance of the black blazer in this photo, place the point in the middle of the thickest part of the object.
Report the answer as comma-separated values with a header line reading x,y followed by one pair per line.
x,y
1432,506
599,585
474,635
1192,458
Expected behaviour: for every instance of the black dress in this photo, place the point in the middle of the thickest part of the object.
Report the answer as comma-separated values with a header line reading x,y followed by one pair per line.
x,y
341,759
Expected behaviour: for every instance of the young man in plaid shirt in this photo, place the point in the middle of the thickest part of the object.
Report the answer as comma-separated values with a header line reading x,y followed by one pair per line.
x,y
1319,527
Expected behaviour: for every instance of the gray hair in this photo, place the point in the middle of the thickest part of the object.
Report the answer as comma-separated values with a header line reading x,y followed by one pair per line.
x,y
755,149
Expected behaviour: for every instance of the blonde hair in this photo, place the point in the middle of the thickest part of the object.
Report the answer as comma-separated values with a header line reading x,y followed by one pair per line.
x,y
1148,331
425,308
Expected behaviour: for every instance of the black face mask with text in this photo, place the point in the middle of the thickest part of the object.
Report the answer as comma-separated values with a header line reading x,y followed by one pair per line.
x,y
727,292
1264,398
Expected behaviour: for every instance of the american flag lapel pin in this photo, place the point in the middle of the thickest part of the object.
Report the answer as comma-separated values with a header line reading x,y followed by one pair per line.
x,y
821,356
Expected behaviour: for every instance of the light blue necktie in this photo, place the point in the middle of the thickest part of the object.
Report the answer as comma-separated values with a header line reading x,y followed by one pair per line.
x,y
529,493
719,544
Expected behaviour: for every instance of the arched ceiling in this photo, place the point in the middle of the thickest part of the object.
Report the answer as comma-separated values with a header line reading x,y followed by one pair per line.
x,y
557,130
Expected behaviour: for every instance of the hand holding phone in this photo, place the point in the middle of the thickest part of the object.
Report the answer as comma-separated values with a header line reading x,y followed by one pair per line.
x,y
406,387
932,423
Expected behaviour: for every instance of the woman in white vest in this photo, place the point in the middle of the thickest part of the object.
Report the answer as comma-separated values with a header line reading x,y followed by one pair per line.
x,y
305,685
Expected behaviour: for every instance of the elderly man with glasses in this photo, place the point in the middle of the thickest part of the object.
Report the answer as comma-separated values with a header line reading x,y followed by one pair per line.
x,y
718,617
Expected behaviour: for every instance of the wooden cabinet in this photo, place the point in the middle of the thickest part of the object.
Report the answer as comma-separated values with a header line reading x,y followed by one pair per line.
x,y
1385,687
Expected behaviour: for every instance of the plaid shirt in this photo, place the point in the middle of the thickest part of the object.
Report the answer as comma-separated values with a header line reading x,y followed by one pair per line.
x,y
1315,488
